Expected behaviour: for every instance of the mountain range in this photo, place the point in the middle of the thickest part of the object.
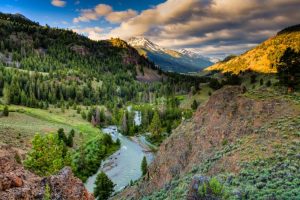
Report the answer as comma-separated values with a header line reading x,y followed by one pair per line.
x,y
181,61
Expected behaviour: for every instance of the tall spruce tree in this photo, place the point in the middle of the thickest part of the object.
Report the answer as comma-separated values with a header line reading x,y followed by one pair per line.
x,y
104,187
144,166
155,126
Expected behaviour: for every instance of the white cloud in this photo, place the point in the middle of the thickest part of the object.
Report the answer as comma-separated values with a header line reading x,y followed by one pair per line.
x,y
58,3
93,33
117,17
103,10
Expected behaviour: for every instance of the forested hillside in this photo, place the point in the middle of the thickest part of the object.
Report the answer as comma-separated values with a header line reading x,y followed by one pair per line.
x,y
43,65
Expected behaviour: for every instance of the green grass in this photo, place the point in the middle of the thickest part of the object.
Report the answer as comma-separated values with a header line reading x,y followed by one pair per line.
x,y
202,97
23,122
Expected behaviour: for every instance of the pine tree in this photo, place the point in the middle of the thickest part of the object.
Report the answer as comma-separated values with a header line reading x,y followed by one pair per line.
x,y
155,126
125,128
104,187
194,105
46,156
5,111
61,135
70,138
144,166
7,94
288,69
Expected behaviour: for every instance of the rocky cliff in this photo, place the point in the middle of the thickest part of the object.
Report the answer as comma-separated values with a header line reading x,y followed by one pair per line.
x,y
16,183
218,139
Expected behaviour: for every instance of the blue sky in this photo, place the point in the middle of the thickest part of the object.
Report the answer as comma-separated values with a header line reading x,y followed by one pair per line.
x,y
44,12
214,28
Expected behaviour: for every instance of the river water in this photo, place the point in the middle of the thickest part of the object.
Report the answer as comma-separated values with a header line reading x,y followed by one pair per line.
x,y
125,164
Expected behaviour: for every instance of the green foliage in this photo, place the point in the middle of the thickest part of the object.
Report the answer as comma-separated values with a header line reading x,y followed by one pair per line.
x,y
87,158
211,189
47,194
215,84
144,166
231,79
194,105
5,111
62,136
69,141
253,78
104,187
155,126
288,69
261,81
215,186
47,155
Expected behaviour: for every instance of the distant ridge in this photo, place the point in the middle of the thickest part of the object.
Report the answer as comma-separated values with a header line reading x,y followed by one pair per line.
x,y
265,57
295,28
18,18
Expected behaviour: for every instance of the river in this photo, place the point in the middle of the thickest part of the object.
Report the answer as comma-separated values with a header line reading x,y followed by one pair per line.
x,y
125,164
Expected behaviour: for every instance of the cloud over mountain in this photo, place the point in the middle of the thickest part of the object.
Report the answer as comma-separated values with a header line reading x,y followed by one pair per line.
x,y
213,24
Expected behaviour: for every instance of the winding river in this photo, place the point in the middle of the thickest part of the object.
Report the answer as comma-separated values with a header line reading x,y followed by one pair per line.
x,y
125,164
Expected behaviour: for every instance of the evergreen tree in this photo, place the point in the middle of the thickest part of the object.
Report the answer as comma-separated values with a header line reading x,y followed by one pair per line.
x,y
253,78
7,94
83,115
144,166
6,111
125,128
194,105
268,84
155,126
104,187
289,70
70,138
46,156
61,135
261,82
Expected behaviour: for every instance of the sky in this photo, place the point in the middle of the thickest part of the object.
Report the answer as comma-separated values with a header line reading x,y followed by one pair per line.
x,y
214,28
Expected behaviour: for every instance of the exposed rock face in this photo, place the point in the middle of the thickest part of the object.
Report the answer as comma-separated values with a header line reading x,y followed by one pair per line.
x,y
65,186
228,115
16,183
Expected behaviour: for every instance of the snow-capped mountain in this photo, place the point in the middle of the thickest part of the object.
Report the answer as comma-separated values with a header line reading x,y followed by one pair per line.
x,y
196,54
170,60
192,53
144,43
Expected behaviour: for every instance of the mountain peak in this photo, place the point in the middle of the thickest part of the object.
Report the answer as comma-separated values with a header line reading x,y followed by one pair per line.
x,y
143,42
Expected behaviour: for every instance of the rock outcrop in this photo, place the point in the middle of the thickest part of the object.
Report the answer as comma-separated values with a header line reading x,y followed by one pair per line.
x,y
17,183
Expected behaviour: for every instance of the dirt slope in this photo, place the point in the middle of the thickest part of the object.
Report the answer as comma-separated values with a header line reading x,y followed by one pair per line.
x,y
230,116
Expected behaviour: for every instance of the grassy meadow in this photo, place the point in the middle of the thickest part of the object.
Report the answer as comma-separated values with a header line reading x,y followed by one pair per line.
x,y
22,123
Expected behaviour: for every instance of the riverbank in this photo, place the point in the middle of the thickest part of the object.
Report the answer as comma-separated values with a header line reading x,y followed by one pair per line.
x,y
124,165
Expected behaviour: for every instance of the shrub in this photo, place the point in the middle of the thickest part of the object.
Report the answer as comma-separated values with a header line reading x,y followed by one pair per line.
x,y
47,155
216,187
6,111
211,189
